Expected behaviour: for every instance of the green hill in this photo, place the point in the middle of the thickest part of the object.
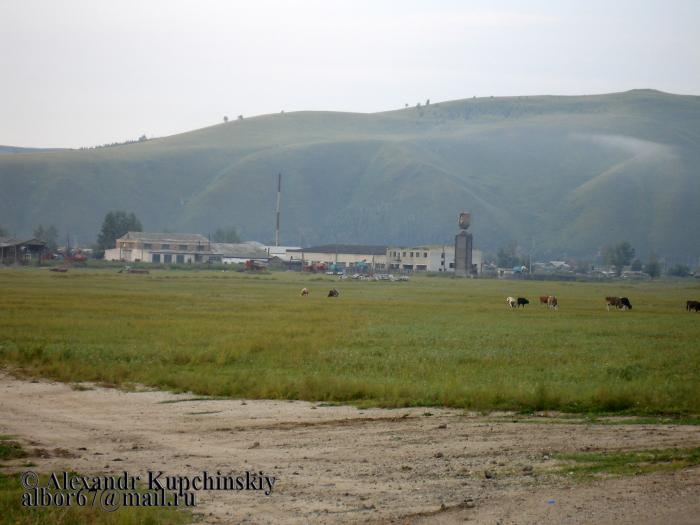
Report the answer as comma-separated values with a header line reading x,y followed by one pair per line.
x,y
567,173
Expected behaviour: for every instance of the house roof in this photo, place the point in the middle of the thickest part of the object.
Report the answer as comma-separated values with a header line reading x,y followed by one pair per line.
x,y
239,250
164,237
353,249
6,242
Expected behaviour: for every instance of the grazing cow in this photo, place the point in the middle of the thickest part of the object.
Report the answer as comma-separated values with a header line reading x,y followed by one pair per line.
x,y
692,305
333,293
621,303
549,301
522,302
304,292
511,302
612,301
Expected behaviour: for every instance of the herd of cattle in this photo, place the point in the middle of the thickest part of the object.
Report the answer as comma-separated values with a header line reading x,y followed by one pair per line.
x,y
550,301
621,303
331,293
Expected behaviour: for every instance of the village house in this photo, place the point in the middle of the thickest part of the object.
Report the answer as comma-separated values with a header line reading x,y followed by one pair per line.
x,y
14,250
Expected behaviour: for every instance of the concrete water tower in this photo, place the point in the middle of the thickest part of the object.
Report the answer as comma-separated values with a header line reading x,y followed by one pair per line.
x,y
463,247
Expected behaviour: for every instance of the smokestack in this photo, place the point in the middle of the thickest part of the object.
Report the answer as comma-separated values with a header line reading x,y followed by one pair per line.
x,y
279,194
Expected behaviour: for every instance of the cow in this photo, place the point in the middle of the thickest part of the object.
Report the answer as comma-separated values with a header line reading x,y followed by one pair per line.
x,y
612,301
333,293
522,302
304,292
692,305
621,303
549,301
511,302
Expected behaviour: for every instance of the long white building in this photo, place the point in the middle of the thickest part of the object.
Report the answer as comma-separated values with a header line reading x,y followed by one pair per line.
x,y
426,258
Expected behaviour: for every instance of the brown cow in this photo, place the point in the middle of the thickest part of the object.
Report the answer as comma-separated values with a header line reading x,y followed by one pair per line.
x,y
333,293
612,301
549,301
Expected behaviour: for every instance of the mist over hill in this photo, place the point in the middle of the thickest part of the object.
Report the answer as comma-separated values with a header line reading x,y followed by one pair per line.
x,y
565,174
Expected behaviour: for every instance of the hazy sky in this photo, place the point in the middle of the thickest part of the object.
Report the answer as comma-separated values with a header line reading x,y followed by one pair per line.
x,y
85,72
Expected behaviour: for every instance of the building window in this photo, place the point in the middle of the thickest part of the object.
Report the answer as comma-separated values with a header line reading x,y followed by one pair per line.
x,y
147,246
452,265
155,258
404,254
164,246
167,258
182,247
200,248
180,258
422,267
425,254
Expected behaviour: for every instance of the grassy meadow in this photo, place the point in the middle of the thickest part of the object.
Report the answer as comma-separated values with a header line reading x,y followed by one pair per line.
x,y
432,341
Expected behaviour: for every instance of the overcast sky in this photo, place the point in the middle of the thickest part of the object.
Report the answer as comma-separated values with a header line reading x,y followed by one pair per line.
x,y
87,72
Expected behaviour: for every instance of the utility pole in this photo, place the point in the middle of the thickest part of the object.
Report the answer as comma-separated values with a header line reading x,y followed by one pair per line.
x,y
279,194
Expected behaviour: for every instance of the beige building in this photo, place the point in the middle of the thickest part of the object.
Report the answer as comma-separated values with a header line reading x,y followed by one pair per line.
x,y
426,258
181,248
160,248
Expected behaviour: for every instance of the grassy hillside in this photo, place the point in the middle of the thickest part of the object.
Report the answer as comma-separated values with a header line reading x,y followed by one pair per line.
x,y
570,173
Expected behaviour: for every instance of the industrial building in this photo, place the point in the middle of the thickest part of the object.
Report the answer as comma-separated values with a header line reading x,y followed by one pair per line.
x,y
343,256
426,258
182,248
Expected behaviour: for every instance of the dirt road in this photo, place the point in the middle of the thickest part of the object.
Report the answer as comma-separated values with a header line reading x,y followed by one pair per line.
x,y
337,464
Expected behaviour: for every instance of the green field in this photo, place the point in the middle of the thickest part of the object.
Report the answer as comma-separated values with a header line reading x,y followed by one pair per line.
x,y
431,341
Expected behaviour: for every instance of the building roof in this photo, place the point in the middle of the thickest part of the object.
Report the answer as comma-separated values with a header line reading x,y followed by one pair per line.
x,y
240,250
446,246
164,237
6,242
354,249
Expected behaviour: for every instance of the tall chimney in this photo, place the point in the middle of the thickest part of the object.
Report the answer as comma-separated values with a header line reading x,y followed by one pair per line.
x,y
279,194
